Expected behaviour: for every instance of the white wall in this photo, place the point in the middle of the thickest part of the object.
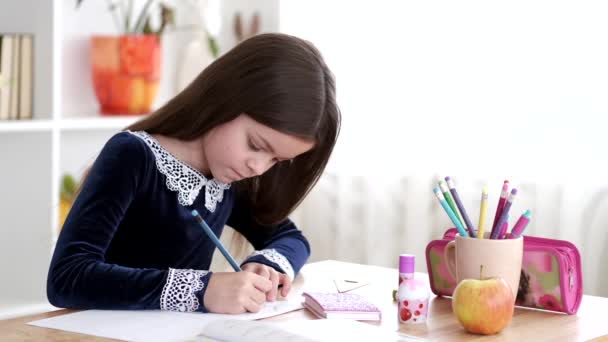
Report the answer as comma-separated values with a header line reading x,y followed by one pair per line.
x,y
478,90
511,90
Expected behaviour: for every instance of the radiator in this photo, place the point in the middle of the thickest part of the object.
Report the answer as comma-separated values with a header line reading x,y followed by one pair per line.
x,y
371,221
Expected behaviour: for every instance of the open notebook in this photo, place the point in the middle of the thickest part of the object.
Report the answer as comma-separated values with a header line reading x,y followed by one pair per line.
x,y
341,305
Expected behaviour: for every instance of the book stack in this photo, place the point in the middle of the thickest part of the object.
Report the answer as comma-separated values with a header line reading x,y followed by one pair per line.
x,y
16,76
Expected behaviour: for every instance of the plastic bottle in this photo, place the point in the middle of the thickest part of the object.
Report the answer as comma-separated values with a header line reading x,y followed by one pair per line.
x,y
413,294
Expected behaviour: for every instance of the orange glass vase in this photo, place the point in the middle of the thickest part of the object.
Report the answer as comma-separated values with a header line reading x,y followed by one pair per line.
x,y
126,72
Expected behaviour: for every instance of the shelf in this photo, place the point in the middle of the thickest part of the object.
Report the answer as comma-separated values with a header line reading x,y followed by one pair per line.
x,y
97,123
26,126
71,124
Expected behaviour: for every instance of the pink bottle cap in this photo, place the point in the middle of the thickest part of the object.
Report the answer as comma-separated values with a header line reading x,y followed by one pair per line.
x,y
407,263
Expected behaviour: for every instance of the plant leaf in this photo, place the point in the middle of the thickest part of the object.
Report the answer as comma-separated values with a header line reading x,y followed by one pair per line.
x,y
141,19
167,16
69,188
215,49
147,27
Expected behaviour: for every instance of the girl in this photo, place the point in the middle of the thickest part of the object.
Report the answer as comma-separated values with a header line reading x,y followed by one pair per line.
x,y
242,144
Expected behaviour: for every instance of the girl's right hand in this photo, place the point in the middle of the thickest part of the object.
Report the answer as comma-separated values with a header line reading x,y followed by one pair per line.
x,y
236,292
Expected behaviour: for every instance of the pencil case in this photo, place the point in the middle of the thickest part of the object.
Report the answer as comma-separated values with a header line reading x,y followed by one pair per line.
x,y
551,275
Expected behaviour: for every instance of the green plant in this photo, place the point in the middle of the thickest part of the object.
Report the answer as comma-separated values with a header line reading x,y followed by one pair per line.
x,y
69,186
123,13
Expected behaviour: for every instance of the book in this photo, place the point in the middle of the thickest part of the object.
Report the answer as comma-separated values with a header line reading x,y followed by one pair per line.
x,y
16,76
13,110
25,77
6,74
341,305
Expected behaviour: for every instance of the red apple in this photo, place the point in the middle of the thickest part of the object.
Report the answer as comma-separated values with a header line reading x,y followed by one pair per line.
x,y
483,306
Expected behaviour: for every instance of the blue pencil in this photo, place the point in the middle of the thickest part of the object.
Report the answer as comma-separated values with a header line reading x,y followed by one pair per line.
x,y
460,206
450,213
216,241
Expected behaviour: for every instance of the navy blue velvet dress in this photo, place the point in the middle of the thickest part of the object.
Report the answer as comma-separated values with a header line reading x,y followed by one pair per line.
x,y
130,241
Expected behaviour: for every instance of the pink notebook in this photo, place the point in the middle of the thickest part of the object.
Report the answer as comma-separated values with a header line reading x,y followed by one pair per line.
x,y
341,305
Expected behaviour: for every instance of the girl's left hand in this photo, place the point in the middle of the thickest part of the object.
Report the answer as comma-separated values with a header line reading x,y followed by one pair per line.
x,y
275,277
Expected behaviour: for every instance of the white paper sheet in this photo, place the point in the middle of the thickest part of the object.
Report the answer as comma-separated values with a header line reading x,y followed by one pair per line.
x,y
326,330
154,325
321,330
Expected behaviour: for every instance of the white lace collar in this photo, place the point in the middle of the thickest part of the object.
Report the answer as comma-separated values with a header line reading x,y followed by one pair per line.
x,y
183,178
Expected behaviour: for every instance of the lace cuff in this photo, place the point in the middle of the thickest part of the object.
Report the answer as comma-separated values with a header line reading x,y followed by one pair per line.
x,y
276,258
183,290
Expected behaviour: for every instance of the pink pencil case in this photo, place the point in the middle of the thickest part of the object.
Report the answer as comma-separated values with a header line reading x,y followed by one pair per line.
x,y
551,275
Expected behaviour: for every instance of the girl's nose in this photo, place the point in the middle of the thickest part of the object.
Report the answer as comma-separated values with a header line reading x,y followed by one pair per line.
x,y
257,166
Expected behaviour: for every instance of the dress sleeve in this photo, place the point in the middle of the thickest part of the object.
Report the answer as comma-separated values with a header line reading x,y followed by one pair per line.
x,y
281,246
80,278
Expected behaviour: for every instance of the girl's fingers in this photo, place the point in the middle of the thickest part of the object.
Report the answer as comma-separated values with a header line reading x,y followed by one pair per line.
x,y
263,271
252,306
261,283
274,279
286,282
258,296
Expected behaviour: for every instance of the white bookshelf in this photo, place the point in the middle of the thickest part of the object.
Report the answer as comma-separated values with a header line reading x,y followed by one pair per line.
x,y
26,126
85,124
66,132
69,124
65,136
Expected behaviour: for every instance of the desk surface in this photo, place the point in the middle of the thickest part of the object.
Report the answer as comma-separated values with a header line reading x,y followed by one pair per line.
x,y
531,325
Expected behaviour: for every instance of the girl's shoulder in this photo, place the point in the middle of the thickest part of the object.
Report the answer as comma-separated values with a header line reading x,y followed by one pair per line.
x,y
126,144
128,140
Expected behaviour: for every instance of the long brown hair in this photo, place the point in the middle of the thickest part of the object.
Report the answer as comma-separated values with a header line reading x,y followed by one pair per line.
x,y
279,81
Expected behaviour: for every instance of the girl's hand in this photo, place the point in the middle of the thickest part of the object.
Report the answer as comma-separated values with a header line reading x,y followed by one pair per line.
x,y
236,292
271,274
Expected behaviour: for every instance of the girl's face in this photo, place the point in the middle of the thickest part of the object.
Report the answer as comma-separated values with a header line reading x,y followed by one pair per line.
x,y
244,148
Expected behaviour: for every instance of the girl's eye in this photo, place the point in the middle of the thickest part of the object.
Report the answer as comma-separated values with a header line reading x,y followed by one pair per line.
x,y
253,147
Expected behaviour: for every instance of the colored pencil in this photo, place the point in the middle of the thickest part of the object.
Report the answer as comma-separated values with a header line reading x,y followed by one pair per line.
x,y
463,212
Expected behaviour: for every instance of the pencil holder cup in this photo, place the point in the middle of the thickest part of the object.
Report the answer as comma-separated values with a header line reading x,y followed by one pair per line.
x,y
500,259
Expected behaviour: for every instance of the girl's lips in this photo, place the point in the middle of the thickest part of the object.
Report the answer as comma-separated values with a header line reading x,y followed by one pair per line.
x,y
239,176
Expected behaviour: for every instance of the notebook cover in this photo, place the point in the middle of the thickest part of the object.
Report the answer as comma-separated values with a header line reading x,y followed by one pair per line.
x,y
341,305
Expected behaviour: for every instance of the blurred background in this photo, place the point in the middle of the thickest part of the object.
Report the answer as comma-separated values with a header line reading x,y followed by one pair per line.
x,y
476,90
